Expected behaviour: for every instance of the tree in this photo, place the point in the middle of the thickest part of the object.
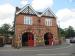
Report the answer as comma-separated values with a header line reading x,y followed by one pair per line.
x,y
61,32
69,32
6,30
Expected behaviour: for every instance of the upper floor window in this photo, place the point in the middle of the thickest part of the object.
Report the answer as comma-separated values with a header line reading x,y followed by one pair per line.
x,y
28,20
48,22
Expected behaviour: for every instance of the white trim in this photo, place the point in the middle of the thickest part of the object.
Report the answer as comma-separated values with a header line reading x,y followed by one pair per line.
x,y
26,7
50,12
28,20
35,11
21,10
48,22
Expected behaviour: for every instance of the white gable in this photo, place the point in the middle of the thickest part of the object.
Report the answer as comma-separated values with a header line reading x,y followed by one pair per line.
x,y
48,12
27,9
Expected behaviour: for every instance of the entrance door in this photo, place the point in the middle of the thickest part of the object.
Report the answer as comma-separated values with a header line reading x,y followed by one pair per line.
x,y
48,38
30,40
27,39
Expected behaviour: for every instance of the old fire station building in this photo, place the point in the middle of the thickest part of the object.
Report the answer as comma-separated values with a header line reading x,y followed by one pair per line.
x,y
34,28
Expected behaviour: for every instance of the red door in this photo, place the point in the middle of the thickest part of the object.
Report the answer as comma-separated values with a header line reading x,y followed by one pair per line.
x,y
50,39
30,40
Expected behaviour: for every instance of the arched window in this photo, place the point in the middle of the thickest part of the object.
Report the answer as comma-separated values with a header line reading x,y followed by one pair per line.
x,y
27,20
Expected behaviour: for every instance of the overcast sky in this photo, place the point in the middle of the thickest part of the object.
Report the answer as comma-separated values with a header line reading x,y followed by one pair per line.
x,y
63,9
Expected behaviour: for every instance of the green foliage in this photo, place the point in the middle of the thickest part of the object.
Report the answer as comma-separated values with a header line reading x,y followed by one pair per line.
x,y
67,32
70,32
61,32
6,30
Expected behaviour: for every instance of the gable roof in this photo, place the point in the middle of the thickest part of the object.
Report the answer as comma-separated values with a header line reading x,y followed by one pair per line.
x,y
28,9
48,12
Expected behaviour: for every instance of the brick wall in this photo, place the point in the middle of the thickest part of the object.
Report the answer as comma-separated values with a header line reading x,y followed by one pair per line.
x,y
37,28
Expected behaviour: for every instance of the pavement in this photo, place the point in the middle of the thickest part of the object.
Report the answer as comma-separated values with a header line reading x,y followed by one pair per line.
x,y
58,50
9,47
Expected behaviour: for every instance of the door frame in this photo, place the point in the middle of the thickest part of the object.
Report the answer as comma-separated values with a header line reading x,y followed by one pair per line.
x,y
28,38
49,38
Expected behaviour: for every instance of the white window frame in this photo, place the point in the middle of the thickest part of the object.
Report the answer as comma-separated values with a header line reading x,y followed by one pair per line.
x,y
27,20
48,22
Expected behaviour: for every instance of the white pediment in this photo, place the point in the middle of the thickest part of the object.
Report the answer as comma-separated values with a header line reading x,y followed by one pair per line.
x,y
48,12
27,9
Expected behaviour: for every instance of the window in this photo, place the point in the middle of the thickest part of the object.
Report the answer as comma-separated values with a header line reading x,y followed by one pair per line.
x,y
48,22
28,20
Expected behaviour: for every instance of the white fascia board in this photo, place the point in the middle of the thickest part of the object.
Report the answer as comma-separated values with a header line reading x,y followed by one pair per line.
x,y
52,12
24,8
21,9
44,12
33,9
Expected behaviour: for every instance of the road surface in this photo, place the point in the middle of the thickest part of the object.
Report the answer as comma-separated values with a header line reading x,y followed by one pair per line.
x,y
61,50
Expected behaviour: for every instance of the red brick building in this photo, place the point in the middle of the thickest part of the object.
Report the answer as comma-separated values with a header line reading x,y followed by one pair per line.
x,y
34,28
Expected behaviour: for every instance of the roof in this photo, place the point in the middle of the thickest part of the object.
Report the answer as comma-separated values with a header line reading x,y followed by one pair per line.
x,y
29,10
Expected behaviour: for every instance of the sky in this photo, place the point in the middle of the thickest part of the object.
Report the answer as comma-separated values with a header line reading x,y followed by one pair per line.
x,y
63,9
